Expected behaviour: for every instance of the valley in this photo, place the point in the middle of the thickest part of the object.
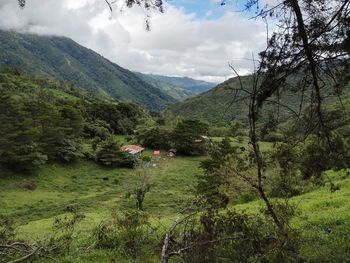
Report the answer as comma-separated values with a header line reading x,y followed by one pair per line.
x,y
193,135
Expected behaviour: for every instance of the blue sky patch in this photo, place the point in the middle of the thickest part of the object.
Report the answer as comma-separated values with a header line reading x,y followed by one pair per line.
x,y
208,9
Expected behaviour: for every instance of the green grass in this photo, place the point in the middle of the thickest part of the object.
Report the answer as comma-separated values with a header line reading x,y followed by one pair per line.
x,y
173,181
82,185
318,205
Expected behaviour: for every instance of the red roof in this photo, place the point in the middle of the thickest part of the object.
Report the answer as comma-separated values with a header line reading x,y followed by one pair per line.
x,y
132,148
156,152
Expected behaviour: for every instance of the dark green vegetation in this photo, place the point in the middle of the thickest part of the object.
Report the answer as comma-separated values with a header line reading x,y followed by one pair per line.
x,y
179,88
223,104
192,85
177,92
48,121
251,201
62,58
85,212
188,137
322,214
215,105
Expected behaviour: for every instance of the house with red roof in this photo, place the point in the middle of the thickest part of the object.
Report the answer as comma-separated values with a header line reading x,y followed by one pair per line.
x,y
132,149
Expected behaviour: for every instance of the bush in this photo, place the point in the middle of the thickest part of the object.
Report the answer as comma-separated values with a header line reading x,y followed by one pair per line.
x,y
320,155
233,236
187,138
97,129
130,233
155,138
111,155
219,132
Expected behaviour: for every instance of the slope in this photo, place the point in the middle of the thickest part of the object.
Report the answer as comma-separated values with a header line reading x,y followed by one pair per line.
x,y
222,104
62,58
193,85
177,92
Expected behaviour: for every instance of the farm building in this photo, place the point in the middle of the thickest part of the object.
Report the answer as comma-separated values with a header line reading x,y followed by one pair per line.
x,y
172,152
133,149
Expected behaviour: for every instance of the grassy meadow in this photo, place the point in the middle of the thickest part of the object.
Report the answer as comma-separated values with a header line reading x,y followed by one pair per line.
x,y
97,192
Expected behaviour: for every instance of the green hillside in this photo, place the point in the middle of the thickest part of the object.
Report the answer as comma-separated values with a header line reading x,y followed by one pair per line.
x,y
222,104
177,92
189,84
214,105
62,58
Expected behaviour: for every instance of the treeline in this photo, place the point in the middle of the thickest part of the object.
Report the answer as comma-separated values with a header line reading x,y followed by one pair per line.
x,y
187,136
45,120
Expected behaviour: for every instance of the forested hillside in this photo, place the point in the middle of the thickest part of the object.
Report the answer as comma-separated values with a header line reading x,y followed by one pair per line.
x,y
177,92
189,84
62,58
47,121
224,104
256,170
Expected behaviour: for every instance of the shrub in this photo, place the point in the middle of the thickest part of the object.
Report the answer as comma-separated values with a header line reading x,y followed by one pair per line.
x,y
129,232
63,231
321,154
219,131
155,138
187,139
233,236
111,155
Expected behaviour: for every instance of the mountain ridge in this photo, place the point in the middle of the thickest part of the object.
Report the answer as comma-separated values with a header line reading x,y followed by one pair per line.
x,y
63,58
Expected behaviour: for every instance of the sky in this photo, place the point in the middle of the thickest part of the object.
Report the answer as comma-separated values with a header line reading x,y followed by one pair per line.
x,y
192,38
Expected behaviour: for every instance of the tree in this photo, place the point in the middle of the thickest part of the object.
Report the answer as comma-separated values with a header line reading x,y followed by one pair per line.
x,y
19,146
187,137
213,181
155,138
111,155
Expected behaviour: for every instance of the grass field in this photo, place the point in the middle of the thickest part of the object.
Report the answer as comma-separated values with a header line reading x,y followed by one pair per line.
x,y
97,191
84,185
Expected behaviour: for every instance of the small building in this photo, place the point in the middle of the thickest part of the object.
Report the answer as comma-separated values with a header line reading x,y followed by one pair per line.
x,y
133,149
172,152
156,153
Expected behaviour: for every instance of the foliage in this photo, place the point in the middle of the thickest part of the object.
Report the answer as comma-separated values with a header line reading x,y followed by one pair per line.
x,y
130,233
317,156
44,120
186,137
120,118
63,231
110,154
231,236
288,179
155,138
61,57
19,148
97,129
237,128
213,182
7,230
219,131
142,188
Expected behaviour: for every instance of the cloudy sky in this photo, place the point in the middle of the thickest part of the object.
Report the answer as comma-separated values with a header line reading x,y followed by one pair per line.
x,y
194,38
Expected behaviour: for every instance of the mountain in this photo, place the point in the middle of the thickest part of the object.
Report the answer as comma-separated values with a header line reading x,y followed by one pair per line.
x,y
220,104
213,106
62,58
176,92
192,85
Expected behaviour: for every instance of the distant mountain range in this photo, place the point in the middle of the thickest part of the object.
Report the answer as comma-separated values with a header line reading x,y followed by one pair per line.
x,y
62,58
179,88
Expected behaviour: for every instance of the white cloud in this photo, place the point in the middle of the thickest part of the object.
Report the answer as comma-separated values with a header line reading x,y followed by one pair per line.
x,y
177,45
